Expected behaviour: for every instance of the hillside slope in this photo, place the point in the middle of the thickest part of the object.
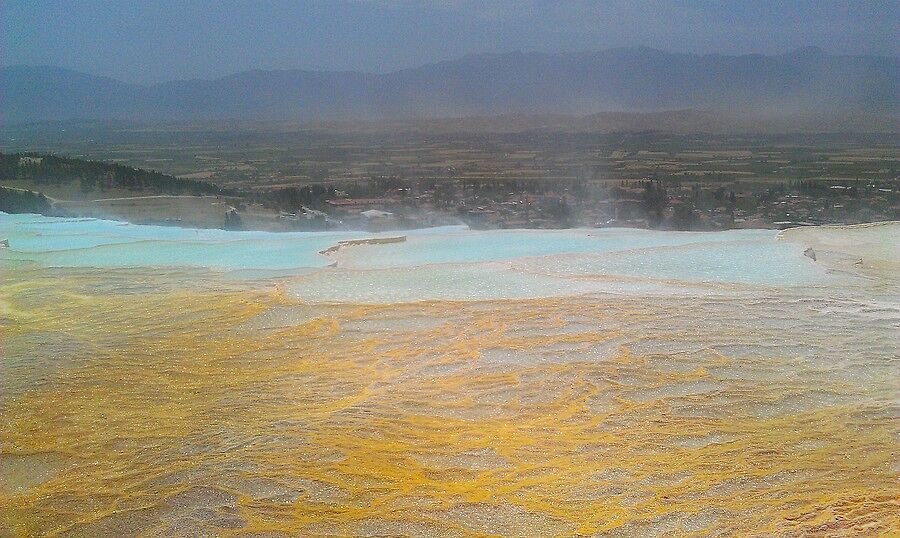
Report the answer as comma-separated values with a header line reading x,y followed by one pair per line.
x,y
639,79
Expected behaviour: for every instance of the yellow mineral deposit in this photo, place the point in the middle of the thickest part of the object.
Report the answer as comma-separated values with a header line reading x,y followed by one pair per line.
x,y
163,408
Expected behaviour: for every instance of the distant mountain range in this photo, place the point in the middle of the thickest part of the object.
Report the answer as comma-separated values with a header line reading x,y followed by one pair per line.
x,y
635,79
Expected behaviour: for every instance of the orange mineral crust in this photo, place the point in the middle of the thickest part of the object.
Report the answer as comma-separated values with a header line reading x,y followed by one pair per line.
x,y
181,402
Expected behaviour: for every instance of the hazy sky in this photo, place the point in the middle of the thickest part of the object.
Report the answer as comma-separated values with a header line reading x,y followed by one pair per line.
x,y
157,40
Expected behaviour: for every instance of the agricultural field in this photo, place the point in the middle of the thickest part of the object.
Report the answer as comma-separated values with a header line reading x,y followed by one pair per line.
x,y
263,158
519,179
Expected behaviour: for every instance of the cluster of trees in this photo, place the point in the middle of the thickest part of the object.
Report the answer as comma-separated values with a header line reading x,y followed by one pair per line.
x,y
53,169
292,198
821,188
44,169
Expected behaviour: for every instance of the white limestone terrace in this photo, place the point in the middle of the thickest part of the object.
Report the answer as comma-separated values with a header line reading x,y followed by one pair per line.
x,y
455,263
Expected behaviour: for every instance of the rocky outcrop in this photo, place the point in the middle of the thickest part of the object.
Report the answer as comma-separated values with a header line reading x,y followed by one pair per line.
x,y
233,220
355,242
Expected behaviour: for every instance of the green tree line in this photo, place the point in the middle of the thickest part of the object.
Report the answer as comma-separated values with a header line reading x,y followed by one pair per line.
x,y
53,169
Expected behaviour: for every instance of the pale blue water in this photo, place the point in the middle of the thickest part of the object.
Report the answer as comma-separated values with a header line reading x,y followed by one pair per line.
x,y
737,256
763,261
464,246
58,242
437,263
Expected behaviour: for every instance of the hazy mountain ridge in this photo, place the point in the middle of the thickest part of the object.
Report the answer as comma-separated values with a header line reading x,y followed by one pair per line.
x,y
634,79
